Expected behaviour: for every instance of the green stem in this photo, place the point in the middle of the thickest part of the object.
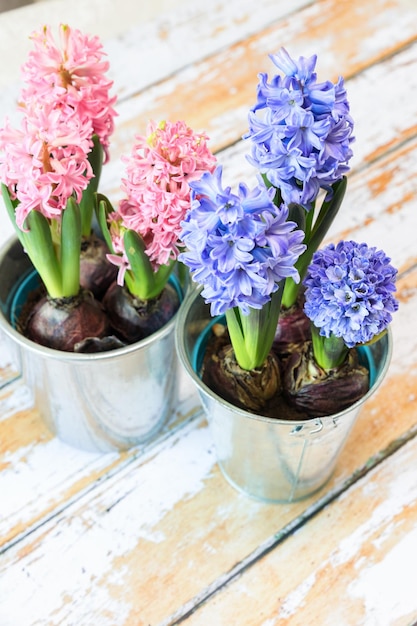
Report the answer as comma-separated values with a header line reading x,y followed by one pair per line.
x,y
314,235
141,280
329,352
252,335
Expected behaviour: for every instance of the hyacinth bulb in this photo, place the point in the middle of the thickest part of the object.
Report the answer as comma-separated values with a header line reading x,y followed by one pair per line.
x,y
310,388
96,272
293,328
133,319
251,390
62,323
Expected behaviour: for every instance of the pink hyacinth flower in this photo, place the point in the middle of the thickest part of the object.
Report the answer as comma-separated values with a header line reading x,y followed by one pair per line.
x,y
158,173
71,75
45,162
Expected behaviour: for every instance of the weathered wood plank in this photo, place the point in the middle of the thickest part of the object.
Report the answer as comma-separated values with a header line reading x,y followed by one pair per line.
x,y
161,37
141,538
169,527
379,207
216,93
350,566
9,367
187,34
39,474
141,53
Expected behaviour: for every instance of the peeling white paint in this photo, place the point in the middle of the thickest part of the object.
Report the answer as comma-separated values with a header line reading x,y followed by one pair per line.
x,y
14,399
296,599
9,353
379,84
65,579
405,342
5,356
387,595
385,599
401,492
385,534
38,475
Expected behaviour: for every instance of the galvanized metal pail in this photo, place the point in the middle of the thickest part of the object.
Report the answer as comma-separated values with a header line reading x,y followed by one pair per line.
x,y
100,402
271,459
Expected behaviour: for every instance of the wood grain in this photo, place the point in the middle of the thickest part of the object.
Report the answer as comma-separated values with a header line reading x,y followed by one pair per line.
x,y
347,566
156,535
168,526
216,93
40,475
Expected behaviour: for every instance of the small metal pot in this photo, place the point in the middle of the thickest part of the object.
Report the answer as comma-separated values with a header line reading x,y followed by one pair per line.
x,y
106,401
270,459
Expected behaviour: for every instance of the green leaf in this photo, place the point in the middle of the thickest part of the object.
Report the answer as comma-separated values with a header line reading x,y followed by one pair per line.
x,y
70,248
328,212
237,337
161,276
103,207
41,251
297,214
252,335
277,198
324,220
11,208
95,158
140,278
329,352
270,322
37,241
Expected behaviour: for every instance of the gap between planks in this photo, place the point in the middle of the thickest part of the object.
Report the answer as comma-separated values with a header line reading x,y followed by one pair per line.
x,y
142,454
297,523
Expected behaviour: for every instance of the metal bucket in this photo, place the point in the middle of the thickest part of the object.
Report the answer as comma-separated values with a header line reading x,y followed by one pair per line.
x,y
271,459
99,402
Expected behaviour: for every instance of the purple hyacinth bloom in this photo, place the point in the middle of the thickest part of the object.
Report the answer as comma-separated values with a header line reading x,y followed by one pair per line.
x,y
349,292
238,245
300,129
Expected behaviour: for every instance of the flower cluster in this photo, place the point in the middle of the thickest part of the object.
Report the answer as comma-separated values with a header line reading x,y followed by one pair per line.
x,y
239,246
73,76
302,141
349,292
157,185
45,162
65,102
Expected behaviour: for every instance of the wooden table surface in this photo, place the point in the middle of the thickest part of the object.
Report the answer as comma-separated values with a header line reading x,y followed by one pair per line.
x,y
155,536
